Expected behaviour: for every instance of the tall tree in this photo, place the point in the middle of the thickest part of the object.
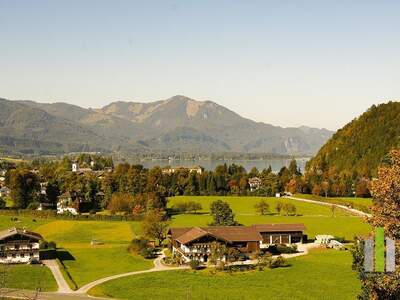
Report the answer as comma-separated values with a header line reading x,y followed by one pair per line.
x,y
385,213
222,214
24,187
154,225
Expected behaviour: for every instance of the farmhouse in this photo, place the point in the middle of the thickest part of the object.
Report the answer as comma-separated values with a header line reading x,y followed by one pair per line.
x,y
19,246
194,243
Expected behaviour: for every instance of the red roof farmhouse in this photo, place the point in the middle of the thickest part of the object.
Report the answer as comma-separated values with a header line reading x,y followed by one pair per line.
x,y
194,243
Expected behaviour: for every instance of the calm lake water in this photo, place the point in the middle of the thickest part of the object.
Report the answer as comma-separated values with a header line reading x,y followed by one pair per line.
x,y
276,164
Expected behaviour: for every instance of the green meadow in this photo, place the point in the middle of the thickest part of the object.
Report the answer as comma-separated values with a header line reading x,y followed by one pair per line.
x,y
318,219
82,261
85,262
323,274
363,204
28,277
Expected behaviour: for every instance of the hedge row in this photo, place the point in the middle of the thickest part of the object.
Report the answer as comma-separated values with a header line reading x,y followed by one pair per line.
x,y
51,214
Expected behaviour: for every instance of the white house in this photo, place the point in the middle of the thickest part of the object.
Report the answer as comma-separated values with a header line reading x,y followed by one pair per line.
x,y
5,191
254,183
19,246
323,239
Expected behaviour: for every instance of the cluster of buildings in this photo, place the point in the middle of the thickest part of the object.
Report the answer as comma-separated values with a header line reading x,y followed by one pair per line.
x,y
169,170
194,243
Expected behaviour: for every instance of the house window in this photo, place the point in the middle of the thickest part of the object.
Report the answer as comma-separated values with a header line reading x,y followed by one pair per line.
x,y
13,255
31,254
22,255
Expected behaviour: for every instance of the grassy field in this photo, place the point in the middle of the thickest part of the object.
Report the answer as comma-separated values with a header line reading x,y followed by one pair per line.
x,y
28,277
85,262
323,274
317,218
362,204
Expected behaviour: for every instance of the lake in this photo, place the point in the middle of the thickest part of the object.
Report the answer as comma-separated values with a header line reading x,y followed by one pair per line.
x,y
276,163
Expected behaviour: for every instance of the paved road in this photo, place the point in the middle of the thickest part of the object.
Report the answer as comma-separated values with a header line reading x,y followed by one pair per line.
x,y
30,295
158,267
351,210
63,286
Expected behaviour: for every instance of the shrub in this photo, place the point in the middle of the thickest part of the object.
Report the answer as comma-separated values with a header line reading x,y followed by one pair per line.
x,y
48,245
138,244
279,262
143,247
33,205
282,249
147,253
194,264
2,203
286,249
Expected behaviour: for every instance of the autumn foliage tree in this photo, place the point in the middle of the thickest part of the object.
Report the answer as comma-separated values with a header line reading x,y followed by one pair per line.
x,y
121,202
385,213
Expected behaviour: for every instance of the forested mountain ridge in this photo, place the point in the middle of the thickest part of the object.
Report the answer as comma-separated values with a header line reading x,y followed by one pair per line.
x,y
176,125
359,147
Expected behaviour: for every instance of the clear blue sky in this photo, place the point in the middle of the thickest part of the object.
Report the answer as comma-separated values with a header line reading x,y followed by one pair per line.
x,y
317,63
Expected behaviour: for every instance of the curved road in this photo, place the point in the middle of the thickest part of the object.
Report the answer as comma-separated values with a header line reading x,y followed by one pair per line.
x,y
351,210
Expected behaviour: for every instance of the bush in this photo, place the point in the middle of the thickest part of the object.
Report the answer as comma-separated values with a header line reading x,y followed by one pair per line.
x,y
279,262
282,249
48,245
2,203
138,244
187,207
33,205
194,264
147,253
143,247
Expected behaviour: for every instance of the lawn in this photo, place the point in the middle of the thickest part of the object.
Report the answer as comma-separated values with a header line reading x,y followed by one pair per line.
x,y
323,274
318,219
85,262
29,277
362,204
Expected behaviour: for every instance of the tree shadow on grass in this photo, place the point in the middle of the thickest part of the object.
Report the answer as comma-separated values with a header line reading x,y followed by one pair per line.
x,y
64,255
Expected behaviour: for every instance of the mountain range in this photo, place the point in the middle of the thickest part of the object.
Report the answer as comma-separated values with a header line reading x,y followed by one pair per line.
x,y
176,125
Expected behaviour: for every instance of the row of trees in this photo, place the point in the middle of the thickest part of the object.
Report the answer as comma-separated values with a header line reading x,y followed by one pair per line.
x,y
126,187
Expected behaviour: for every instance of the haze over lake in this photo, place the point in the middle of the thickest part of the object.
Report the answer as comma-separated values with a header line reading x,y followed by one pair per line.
x,y
208,164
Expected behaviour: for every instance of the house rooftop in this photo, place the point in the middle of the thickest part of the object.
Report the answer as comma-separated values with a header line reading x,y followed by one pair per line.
x,y
14,230
231,233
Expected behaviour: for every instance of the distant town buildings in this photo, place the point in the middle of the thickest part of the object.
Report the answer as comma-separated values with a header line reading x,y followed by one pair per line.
x,y
19,246
170,170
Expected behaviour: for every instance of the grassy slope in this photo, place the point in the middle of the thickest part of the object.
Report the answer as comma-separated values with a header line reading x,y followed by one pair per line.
x,y
357,203
28,277
318,219
323,274
87,262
